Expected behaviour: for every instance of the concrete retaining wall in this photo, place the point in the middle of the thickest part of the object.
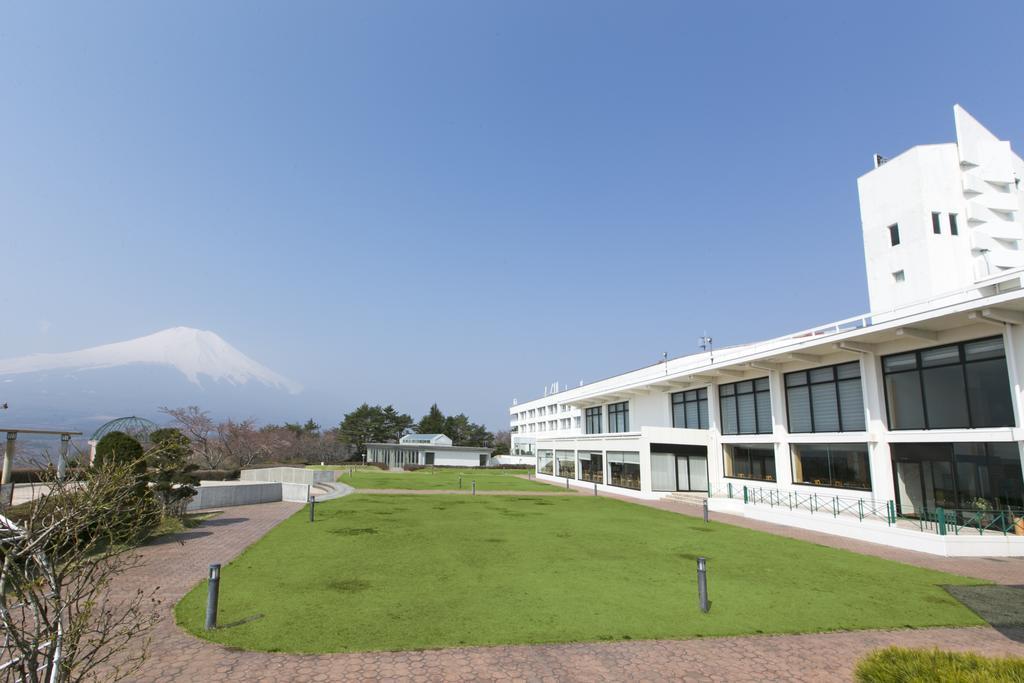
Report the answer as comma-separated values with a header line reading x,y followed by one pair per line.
x,y
218,494
289,475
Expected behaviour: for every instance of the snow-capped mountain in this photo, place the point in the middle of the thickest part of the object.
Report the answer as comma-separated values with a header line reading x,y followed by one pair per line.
x,y
190,351
175,367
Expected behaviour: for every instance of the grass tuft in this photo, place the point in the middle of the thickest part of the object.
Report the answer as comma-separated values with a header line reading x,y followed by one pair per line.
x,y
903,665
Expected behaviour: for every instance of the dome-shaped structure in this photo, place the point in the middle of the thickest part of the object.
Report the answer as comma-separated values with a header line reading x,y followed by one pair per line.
x,y
138,428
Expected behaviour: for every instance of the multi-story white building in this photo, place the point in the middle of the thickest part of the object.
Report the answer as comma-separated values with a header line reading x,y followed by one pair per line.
x,y
902,426
544,419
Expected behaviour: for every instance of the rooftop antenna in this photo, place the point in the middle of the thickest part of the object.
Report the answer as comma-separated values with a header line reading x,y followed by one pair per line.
x,y
705,345
879,160
664,359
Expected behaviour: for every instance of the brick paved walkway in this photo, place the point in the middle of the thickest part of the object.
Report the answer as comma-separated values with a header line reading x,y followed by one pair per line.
x,y
177,656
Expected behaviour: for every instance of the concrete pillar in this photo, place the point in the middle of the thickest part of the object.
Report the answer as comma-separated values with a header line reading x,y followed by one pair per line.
x,y
9,457
62,461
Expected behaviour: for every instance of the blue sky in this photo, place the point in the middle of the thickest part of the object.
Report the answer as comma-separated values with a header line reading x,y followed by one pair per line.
x,y
462,201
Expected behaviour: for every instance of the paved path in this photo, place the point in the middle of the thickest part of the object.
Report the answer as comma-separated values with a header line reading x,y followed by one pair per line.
x,y
177,656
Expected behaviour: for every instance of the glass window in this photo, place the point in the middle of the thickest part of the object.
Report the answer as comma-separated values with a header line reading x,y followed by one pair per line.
x,y
746,407
545,463
953,230
837,465
690,409
955,386
624,469
618,417
750,461
663,471
594,420
894,234
972,477
827,399
591,468
936,226
566,464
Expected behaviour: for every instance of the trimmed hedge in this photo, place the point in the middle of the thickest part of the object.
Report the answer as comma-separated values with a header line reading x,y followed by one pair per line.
x,y
904,665
216,475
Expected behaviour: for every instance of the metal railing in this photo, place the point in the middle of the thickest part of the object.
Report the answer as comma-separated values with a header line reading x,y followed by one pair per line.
x,y
813,502
939,521
944,521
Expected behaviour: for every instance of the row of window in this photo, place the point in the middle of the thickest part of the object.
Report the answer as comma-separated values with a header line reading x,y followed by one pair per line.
x,y
954,228
955,386
623,466
835,465
552,425
618,418
842,466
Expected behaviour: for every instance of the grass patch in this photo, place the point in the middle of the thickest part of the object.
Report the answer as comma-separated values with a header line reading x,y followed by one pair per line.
x,y
902,665
443,480
445,571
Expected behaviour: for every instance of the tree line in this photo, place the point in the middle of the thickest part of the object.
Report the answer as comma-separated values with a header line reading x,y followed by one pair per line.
x,y
383,424
230,443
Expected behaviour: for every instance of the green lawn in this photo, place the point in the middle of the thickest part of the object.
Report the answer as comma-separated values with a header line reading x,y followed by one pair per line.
x,y
443,479
378,572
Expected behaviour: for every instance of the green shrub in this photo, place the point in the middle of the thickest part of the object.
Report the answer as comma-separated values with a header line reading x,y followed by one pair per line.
x,y
903,665
119,447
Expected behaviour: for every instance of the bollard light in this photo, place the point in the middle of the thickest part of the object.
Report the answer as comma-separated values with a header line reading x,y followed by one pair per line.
x,y
312,507
567,483
595,488
702,583
474,487
705,510
212,594
460,482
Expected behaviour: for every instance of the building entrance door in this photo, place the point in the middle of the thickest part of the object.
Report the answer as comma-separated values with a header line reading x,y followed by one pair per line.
x,y
691,473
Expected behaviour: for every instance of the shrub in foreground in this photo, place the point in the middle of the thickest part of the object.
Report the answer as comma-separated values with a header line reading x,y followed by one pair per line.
x,y
904,665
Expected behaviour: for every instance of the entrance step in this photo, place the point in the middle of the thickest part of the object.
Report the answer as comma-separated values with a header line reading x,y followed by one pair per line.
x,y
691,497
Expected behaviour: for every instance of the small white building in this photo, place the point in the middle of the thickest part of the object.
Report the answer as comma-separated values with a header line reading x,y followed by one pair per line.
x,y
902,426
428,449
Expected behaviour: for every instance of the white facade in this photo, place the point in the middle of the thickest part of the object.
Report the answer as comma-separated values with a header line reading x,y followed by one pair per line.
x,y
543,418
904,421
955,212
428,449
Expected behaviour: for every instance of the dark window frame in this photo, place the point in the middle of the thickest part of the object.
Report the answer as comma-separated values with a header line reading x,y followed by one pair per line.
x,y
754,391
616,411
682,398
729,451
918,369
894,234
593,420
936,222
835,382
831,476
954,229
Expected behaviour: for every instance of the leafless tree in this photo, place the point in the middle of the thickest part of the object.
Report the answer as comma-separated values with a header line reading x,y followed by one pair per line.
x,y
60,622
245,445
201,431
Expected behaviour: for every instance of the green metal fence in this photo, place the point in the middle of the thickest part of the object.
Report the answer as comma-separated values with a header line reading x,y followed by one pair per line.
x,y
813,502
939,521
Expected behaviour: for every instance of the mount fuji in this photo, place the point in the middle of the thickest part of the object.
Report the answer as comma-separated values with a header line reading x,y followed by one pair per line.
x,y
174,367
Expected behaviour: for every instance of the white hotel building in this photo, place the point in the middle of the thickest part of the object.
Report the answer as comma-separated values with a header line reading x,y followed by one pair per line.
x,y
903,426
